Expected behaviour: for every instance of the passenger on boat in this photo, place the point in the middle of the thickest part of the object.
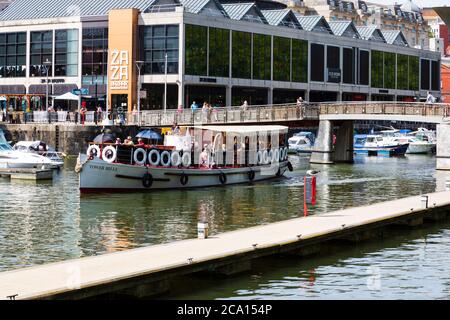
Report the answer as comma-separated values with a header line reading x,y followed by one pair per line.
x,y
118,141
140,143
128,141
204,157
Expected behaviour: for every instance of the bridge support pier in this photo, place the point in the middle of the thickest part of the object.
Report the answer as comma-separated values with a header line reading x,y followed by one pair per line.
x,y
343,149
443,147
323,149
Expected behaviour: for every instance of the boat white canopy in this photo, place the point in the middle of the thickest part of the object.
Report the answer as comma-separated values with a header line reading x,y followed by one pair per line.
x,y
242,129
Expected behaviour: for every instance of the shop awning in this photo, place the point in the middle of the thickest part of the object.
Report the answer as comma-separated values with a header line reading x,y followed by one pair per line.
x,y
67,96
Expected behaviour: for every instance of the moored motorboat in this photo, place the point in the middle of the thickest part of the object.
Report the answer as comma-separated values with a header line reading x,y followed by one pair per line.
x,y
301,142
377,144
41,148
10,158
203,156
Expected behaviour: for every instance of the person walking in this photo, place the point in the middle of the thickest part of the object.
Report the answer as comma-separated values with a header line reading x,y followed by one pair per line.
x,y
99,113
194,106
83,111
430,98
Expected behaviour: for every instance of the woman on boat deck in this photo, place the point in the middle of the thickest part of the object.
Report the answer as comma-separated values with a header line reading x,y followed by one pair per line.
x,y
140,143
204,157
128,141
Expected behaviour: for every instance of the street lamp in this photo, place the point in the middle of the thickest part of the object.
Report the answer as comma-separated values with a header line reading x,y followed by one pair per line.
x,y
47,64
139,65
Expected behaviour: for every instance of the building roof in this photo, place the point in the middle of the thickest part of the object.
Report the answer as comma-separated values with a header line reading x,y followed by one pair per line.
x,y
344,29
370,33
244,11
281,17
394,37
42,9
313,23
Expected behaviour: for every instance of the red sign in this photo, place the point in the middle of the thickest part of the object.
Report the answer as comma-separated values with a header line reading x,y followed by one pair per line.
x,y
309,192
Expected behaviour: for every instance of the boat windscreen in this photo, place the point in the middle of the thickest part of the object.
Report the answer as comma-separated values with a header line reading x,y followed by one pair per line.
x,y
4,145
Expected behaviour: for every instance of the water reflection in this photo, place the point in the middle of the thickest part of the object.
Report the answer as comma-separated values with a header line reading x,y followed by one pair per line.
x,y
47,222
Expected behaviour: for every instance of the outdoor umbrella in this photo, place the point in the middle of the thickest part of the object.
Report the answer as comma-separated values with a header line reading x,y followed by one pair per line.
x,y
104,138
149,134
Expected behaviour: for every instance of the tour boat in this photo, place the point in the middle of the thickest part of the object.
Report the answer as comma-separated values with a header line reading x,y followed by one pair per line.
x,y
41,148
377,144
10,158
301,142
202,156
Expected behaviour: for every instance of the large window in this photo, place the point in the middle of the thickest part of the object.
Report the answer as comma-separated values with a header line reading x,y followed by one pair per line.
x,y
281,59
333,64
13,54
40,51
389,70
219,52
377,69
66,52
159,41
95,55
317,62
196,50
348,65
425,74
402,72
261,56
364,67
413,71
435,75
299,61
242,54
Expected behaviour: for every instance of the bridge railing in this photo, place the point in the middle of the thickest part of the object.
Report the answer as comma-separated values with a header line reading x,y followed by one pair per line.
x,y
386,108
250,114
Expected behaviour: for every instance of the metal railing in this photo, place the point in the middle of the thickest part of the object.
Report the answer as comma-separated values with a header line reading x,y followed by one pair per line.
x,y
263,114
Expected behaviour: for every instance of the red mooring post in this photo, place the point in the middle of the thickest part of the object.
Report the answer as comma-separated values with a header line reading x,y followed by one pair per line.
x,y
309,193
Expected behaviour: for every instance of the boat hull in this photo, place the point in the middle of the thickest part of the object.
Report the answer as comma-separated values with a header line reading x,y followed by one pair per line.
x,y
397,150
97,175
420,148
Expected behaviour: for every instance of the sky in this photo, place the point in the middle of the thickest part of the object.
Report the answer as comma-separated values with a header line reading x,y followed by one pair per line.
x,y
420,3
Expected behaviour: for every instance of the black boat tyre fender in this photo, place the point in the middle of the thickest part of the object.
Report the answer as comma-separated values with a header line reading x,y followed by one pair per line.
x,y
147,180
290,167
184,179
251,175
279,172
222,178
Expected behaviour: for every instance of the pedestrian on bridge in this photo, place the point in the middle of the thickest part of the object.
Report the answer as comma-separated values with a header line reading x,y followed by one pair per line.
x,y
430,98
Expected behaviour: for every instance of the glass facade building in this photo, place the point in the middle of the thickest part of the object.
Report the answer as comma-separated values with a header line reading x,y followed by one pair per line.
x,y
41,50
95,55
13,54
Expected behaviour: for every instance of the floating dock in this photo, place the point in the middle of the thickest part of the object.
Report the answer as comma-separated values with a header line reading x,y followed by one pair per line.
x,y
27,173
149,270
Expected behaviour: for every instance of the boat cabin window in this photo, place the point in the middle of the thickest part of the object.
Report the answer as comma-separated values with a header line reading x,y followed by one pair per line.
x,y
379,139
370,139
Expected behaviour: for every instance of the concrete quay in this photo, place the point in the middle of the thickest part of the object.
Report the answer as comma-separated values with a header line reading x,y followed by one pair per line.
x,y
150,270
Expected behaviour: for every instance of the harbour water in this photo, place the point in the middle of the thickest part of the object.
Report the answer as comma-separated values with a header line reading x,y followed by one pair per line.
x,y
48,221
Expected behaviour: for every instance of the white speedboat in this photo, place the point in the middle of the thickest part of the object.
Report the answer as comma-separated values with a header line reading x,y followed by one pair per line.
x,y
222,161
41,148
301,142
378,144
421,141
10,158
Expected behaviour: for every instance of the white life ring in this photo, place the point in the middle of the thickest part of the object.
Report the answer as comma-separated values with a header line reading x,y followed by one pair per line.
x,y
165,154
281,153
109,154
260,157
276,156
144,156
92,148
265,157
285,153
150,158
186,159
175,159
